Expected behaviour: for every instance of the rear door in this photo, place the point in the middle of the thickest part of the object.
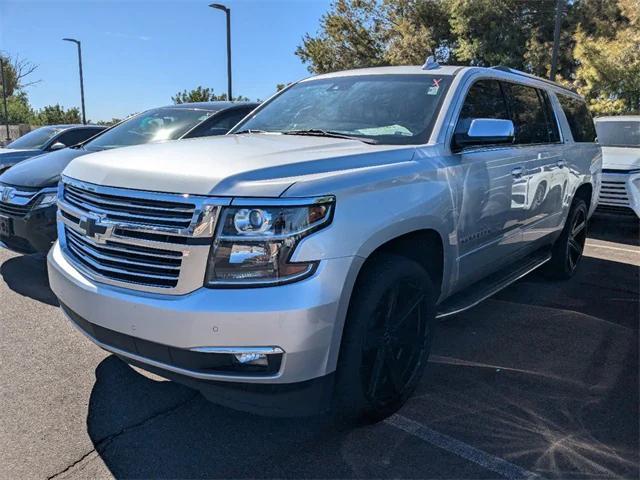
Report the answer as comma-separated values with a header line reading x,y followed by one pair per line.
x,y
543,185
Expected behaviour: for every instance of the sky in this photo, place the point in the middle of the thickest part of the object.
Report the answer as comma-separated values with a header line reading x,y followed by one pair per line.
x,y
137,54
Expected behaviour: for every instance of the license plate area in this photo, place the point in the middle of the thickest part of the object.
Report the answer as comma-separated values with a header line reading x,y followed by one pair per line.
x,y
6,226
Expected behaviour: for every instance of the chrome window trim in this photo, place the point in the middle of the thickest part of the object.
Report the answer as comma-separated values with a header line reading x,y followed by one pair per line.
x,y
239,350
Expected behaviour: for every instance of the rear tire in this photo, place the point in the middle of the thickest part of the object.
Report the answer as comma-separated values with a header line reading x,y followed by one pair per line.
x,y
568,248
386,340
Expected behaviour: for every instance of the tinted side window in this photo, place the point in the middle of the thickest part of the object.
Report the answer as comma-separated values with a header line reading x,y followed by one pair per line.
x,y
529,117
484,100
220,124
579,118
77,135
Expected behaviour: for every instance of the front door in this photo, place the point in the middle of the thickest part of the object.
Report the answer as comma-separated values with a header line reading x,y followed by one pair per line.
x,y
491,179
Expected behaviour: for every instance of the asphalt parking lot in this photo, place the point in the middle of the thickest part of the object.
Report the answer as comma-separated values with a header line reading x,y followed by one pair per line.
x,y
540,380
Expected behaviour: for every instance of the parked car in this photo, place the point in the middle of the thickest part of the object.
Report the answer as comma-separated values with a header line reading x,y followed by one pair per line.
x,y
620,141
45,139
298,264
28,191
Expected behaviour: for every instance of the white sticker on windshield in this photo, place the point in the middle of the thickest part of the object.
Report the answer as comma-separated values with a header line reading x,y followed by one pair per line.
x,y
433,89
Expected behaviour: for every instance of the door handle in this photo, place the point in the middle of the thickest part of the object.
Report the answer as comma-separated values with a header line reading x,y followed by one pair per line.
x,y
561,163
517,172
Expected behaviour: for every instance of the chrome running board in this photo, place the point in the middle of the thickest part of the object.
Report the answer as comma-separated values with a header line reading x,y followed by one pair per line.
x,y
489,286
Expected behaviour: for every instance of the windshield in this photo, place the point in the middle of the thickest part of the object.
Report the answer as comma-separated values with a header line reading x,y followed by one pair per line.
x,y
148,127
389,109
36,139
618,133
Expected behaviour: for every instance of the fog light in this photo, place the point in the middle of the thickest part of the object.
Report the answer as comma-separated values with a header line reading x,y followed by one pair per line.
x,y
259,359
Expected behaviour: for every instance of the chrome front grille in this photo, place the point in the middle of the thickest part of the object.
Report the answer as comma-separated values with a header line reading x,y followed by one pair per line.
x,y
16,202
127,209
147,241
143,266
613,191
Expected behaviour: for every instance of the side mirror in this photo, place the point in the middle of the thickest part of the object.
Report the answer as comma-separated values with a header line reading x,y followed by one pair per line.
x,y
486,131
57,146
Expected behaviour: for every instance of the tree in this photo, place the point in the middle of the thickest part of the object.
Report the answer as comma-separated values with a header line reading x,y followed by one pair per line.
x,y
608,75
18,109
109,123
16,71
415,29
56,114
351,36
599,38
202,94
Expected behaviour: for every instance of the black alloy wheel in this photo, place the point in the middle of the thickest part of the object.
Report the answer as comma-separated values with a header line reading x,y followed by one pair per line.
x,y
568,249
386,340
577,238
395,343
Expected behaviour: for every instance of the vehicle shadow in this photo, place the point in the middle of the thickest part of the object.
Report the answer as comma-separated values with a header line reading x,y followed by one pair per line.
x,y
619,229
146,428
27,276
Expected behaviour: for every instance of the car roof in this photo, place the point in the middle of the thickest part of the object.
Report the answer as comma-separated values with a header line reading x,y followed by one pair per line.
x,y
211,106
619,118
400,70
65,126
499,72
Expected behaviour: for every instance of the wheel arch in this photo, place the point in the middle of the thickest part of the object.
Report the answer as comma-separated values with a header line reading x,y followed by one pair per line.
x,y
432,256
585,192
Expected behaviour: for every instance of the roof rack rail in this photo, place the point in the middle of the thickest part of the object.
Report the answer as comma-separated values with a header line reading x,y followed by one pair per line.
x,y
503,68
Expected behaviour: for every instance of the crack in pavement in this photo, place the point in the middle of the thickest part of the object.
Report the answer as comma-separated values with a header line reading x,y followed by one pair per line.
x,y
101,445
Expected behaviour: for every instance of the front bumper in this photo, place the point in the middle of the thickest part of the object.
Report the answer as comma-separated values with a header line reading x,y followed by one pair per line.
x,y
34,232
620,192
304,319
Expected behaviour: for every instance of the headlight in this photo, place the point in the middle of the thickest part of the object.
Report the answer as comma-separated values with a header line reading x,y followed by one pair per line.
x,y
47,198
254,244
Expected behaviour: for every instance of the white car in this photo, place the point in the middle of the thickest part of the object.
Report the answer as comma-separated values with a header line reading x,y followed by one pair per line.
x,y
620,141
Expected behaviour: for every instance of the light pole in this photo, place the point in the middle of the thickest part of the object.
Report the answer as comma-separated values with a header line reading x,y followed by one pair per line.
x,y
227,11
77,42
4,98
556,40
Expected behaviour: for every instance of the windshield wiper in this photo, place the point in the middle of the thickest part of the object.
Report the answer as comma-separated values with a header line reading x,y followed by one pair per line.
x,y
249,130
316,132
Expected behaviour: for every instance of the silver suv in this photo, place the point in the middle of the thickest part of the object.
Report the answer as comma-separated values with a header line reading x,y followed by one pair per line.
x,y
299,263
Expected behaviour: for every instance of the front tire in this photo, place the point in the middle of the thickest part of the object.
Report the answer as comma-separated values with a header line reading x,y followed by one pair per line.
x,y
568,249
386,340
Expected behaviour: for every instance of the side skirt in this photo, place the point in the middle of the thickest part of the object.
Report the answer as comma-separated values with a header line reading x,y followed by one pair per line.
x,y
489,286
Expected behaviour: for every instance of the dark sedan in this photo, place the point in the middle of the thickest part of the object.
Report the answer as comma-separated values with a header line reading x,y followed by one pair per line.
x,y
43,140
28,190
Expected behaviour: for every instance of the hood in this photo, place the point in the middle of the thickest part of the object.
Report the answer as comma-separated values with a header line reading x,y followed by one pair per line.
x,y
9,156
620,158
233,165
41,171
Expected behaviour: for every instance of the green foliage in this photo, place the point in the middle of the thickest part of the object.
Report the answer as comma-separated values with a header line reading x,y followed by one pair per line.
x,y
352,36
109,123
202,94
56,114
608,75
598,43
18,109
16,72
